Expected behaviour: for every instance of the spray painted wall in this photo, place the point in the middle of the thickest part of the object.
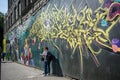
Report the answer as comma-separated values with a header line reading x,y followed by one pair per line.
x,y
82,34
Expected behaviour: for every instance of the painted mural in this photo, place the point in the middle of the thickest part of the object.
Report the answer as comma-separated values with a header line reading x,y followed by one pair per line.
x,y
20,49
84,29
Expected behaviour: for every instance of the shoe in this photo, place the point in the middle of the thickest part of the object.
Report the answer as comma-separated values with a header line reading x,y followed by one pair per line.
x,y
44,75
48,74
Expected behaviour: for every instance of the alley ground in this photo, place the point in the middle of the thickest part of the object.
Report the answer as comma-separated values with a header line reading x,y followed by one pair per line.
x,y
15,71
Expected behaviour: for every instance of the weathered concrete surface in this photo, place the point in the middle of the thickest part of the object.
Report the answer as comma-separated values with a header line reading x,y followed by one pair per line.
x,y
15,71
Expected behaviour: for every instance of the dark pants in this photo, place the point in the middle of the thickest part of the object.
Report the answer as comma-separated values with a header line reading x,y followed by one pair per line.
x,y
47,67
3,56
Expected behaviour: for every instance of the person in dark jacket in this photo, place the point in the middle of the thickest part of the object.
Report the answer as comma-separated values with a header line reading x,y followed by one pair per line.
x,y
47,60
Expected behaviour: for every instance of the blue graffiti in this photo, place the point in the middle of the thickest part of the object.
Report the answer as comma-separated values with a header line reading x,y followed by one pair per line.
x,y
116,0
104,23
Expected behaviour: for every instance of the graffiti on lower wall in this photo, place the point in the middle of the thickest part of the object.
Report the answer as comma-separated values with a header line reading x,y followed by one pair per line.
x,y
20,49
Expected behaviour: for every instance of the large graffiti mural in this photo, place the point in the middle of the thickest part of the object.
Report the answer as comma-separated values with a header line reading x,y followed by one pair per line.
x,y
85,29
79,29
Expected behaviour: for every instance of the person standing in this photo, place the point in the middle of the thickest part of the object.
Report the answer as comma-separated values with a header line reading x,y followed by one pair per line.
x,y
3,55
46,61
0,49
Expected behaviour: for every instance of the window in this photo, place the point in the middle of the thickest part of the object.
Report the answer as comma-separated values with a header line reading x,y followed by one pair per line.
x,y
11,2
17,13
26,2
4,26
14,14
31,1
12,18
8,22
19,9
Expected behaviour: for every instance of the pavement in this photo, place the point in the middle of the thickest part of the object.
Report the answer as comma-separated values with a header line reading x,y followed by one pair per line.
x,y
15,71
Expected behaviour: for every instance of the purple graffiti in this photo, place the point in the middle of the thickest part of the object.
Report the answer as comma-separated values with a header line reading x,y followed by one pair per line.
x,y
114,11
115,41
108,3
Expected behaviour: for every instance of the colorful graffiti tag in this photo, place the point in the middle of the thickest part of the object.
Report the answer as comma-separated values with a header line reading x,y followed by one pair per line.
x,y
116,45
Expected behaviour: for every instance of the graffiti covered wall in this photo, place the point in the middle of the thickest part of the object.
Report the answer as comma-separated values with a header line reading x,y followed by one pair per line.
x,y
82,34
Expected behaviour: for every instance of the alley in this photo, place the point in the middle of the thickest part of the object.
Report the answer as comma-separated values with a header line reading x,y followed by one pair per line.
x,y
15,71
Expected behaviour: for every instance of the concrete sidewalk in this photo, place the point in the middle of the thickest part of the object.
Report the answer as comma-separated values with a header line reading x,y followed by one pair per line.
x,y
15,71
